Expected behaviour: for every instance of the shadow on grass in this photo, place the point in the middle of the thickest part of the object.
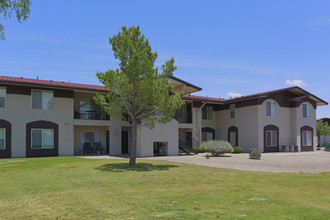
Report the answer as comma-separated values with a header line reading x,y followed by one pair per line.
x,y
139,167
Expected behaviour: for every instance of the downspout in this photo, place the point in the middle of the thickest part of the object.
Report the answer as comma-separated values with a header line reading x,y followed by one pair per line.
x,y
198,134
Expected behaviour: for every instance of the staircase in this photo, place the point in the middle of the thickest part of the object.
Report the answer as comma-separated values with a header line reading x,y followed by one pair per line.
x,y
186,141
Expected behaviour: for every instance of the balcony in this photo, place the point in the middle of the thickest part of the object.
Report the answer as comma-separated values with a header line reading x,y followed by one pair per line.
x,y
185,118
184,115
90,113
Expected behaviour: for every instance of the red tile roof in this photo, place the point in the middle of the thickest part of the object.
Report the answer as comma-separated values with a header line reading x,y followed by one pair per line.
x,y
69,85
50,83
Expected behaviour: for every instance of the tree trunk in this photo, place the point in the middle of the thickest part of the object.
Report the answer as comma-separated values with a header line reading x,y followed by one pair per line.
x,y
132,159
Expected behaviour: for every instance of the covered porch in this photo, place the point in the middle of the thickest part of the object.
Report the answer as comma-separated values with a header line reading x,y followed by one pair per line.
x,y
91,140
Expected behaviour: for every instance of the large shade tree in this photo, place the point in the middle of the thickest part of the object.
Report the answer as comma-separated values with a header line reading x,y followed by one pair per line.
x,y
137,91
20,7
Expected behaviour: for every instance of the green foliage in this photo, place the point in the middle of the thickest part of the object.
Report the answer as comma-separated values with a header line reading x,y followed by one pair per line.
x,y
20,7
207,156
237,150
217,147
137,91
199,149
322,128
254,153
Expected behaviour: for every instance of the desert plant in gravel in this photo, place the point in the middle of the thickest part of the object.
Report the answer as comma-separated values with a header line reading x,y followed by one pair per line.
x,y
217,147
254,153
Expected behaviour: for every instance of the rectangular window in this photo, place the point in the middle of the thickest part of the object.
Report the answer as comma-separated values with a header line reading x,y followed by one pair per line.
x,y
270,108
160,148
307,138
307,109
42,99
232,110
2,138
271,138
42,138
2,97
207,112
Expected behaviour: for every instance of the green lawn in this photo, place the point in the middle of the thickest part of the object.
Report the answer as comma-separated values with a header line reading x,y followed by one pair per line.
x,y
76,188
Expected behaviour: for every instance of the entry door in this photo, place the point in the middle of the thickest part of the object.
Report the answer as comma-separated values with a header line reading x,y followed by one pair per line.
x,y
107,135
124,142
189,139
232,138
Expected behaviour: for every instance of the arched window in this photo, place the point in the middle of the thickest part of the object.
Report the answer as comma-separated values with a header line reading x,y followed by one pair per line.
x,y
271,138
306,138
41,139
5,139
307,110
208,134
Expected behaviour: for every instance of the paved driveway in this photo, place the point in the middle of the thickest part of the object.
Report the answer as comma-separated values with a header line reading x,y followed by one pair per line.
x,y
306,162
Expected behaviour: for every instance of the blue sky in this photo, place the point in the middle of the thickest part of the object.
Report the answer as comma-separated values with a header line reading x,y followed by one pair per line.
x,y
225,47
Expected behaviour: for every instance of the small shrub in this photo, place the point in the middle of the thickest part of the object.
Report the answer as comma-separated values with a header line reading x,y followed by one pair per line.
x,y
237,150
217,148
254,153
198,149
207,156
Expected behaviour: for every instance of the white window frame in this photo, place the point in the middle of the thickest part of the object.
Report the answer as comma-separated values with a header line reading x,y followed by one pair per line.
x,y
209,113
42,92
308,110
42,141
273,143
4,139
311,138
5,88
272,108
232,111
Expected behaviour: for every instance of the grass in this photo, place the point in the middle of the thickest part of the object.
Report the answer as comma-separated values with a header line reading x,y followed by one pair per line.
x,y
76,188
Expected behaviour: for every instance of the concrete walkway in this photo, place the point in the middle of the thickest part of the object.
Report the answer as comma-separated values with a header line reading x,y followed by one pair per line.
x,y
306,162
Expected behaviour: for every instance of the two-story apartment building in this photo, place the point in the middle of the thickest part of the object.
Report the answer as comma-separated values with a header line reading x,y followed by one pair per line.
x,y
50,118
266,120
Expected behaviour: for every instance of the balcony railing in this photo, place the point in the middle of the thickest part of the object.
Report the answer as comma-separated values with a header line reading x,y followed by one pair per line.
x,y
90,113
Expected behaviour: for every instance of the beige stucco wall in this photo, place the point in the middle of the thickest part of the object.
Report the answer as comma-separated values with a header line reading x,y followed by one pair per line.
x,y
161,133
246,120
301,122
282,119
18,112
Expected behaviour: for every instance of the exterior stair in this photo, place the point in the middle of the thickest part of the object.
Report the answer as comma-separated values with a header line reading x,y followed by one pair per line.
x,y
185,143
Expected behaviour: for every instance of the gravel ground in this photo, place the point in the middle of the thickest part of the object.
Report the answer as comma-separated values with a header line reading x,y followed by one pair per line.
x,y
306,162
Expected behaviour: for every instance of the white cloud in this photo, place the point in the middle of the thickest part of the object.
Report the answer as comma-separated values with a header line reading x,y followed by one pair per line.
x,y
233,94
295,82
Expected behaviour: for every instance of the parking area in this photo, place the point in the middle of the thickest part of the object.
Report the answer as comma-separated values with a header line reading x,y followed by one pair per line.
x,y
306,162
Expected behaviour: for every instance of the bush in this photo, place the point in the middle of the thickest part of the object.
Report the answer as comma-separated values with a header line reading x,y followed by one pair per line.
x,y
254,153
198,149
237,150
217,148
